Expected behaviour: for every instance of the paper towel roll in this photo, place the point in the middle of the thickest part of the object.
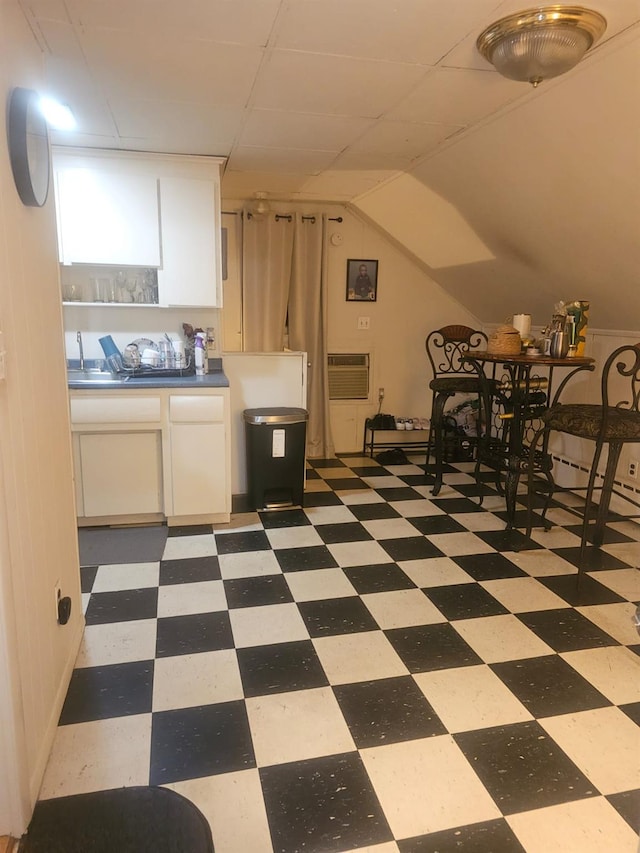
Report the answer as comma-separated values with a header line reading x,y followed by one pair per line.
x,y
522,322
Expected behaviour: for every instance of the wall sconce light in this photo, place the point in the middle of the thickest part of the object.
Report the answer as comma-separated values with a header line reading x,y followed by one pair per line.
x,y
537,44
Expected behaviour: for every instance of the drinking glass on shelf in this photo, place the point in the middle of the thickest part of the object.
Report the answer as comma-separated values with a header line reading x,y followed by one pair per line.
x,y
122,294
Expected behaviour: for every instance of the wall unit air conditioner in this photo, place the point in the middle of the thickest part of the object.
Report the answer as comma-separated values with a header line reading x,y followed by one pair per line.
x,y
348,376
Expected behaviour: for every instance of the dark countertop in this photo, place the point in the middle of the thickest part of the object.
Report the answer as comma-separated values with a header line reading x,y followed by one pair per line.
x,y
108,381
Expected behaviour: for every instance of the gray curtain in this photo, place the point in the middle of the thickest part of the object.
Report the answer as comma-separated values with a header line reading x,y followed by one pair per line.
x,y
308,326
284,277
267,249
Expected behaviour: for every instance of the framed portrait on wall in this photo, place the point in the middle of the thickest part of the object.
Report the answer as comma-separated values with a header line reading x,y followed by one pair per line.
x,y
362,280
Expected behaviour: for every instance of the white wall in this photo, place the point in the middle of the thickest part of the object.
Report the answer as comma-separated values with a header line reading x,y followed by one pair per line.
x,y
38,541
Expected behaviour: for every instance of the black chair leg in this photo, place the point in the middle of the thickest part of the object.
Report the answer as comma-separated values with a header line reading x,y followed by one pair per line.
x,y
587,513
437,417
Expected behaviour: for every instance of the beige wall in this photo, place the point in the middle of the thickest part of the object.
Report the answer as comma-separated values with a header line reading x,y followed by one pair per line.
x,y
38,544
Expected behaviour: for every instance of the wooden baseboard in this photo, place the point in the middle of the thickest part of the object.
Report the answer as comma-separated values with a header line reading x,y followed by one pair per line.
x,y
8,845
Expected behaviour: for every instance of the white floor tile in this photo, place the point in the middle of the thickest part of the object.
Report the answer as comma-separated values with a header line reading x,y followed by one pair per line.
x,y
234,806
117,642
625,582
319,584
248,564
584,826
358,657
337,473
262,626
419,508
437,571
629,528
316,486
615,620
358,553
181,599
357,497
181,547
296,726
540,563
293,537
241,522
98,755
628,552
401,608
603,743
613,670
500,638
402,772
523,595
126,576
329,514
475,521
185,681
390,528
385,482
556,537
459,544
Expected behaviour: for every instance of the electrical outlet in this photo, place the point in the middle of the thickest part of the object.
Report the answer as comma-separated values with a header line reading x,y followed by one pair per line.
x,y
57,594
632,469
380,394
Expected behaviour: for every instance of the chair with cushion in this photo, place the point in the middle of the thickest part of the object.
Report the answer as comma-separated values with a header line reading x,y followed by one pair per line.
x,y
446,348
604,423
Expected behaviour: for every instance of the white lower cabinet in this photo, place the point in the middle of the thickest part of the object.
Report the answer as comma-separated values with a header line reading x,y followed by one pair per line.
x,y
121,473
150,456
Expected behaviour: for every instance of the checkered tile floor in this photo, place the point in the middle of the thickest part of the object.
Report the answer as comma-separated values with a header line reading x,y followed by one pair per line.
x,y
379,671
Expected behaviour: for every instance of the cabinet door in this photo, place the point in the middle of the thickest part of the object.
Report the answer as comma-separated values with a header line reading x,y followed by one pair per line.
x,y
198,469
190,242
120,473
107,215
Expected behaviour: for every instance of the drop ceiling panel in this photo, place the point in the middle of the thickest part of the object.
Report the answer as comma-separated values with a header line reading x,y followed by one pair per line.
x,y
456,97
402,138
296,160
370,162
344,185
277,129
414,31
245,184
246,22
311,83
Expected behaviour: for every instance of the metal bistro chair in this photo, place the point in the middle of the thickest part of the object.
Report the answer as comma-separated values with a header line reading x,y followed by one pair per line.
x,y
603,423
451,375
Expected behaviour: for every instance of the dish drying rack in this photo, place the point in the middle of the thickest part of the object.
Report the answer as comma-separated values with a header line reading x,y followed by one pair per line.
x,y
148,371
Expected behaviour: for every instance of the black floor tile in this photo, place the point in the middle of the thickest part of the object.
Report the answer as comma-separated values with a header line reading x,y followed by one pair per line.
x,y
101,692
87,577
347,484
382,577
256,591
418,479
488,567
595,559
248,540
190,530
456,505
566,630
399,493
122,606
198,632
311,474
323,804
464,601
627,804
189,743
371,512
333,462
491,836
370,471
425,648
632,711
580,593
321,499
522,768
387,711
304,559
611,536
410,548
280,668
536,681
347,532
336,616
189,570
474,490
508,540
284,518
432,524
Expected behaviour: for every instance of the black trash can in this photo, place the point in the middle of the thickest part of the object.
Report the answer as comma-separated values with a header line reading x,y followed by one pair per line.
x,y
275,441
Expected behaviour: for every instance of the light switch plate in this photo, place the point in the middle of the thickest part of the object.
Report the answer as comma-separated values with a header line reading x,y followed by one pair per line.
x,y
363,322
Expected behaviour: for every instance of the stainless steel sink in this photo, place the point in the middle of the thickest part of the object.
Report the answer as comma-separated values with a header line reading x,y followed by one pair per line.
x,y
92,376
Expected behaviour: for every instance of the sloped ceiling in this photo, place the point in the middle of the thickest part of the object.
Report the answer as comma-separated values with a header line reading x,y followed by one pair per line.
x,y
538,205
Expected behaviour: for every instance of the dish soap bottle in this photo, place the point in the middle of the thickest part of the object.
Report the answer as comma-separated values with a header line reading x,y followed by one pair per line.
x,y
199,353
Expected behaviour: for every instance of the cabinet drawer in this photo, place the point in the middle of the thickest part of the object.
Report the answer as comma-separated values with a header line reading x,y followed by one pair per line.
x,y
192,409
115,410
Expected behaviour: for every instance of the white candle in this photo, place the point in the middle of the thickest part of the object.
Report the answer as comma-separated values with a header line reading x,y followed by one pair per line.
x,y
522,322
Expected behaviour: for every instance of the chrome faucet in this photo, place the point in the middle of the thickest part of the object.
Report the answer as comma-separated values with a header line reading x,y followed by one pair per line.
x,y
79,339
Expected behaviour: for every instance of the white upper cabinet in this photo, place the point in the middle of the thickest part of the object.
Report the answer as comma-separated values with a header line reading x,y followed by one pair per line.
x,y
128,209
107,214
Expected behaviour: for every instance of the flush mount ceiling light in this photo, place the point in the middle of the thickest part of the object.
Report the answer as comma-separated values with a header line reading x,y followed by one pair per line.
x,y
537,44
